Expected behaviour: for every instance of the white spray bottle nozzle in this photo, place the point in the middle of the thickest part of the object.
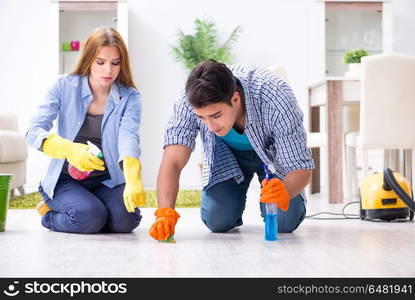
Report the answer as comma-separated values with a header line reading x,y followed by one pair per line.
x,y
94,150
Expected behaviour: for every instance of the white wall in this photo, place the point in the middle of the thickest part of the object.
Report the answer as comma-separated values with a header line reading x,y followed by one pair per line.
x,y
404,26
29,64
273,32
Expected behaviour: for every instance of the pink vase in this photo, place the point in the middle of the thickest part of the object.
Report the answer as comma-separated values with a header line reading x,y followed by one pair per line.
x,y
75,45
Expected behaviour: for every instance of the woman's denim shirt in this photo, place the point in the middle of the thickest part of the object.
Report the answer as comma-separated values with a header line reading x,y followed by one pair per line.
x,y
68,102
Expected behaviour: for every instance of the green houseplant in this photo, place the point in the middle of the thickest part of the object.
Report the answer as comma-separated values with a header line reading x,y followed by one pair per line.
x,y
203,44
353,58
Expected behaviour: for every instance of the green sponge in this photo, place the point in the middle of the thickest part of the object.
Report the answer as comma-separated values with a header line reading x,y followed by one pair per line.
x,y
170,240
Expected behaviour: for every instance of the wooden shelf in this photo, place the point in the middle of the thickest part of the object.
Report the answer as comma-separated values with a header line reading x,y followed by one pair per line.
x,y
88,6
354,6
69,52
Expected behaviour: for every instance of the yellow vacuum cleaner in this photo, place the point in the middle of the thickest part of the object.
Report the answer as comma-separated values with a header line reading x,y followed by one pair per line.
x,y
386,196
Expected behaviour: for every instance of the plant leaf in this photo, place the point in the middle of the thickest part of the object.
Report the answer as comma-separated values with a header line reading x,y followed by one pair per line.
x,y
192,49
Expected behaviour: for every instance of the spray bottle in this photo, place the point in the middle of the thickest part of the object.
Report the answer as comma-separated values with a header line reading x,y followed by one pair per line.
x,y
80,175
271,210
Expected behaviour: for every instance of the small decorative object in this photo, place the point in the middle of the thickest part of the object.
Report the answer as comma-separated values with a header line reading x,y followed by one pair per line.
x,y
75,45
352,58
66,46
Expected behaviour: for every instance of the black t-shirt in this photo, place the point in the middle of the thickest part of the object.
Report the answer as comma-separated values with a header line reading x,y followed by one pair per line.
x,y
90,131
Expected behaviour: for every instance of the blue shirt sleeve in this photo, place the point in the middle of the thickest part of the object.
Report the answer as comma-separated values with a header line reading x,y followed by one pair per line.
x,y
129,137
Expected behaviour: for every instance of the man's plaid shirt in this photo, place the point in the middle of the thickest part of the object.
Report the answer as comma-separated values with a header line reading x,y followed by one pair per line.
x,y
274,127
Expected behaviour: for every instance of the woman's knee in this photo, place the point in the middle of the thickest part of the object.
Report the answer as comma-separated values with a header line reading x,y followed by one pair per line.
x,y
125,223
90,220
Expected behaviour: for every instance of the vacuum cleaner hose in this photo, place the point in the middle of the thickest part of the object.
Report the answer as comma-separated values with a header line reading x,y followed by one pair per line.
x,y
391,181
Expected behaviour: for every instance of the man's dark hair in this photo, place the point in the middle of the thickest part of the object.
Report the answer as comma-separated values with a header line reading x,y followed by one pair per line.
x,y
210,82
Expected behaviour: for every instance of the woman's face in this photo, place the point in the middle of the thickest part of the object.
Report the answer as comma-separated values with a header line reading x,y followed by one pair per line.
x,y
106,66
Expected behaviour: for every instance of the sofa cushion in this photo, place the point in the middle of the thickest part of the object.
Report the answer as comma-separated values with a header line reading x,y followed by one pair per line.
x,y
13,147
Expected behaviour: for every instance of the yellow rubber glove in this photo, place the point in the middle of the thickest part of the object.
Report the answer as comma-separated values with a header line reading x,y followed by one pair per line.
x,y
163,227
134,194
76,153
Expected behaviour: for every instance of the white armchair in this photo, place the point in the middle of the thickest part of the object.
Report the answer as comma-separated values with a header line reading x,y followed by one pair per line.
x,y
13,151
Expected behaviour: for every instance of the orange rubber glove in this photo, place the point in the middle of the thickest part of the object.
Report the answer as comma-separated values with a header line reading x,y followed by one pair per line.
x,y
274,191
163,227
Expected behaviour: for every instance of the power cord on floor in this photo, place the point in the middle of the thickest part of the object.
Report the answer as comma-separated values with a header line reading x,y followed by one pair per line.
x,y
345,216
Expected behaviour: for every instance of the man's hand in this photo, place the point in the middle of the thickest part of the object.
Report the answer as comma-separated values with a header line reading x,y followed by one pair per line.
x,y
163,227
274,191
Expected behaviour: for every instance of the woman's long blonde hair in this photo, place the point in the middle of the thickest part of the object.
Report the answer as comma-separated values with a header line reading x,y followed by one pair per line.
x,y
100,37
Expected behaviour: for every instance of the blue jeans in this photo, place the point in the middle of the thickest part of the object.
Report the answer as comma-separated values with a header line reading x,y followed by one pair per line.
x,y
223,204
88,206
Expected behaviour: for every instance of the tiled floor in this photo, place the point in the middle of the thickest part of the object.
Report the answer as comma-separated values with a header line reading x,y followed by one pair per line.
x,y
335,248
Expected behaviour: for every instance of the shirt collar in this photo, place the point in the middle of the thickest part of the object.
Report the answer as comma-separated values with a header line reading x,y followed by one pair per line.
x,y
114,93
86,91
250,110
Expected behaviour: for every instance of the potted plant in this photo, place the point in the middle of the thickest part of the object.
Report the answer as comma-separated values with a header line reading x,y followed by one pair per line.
x,y
192,49
352,58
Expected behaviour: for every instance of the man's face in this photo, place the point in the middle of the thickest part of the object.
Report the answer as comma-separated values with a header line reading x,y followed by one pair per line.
x,y
220,117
